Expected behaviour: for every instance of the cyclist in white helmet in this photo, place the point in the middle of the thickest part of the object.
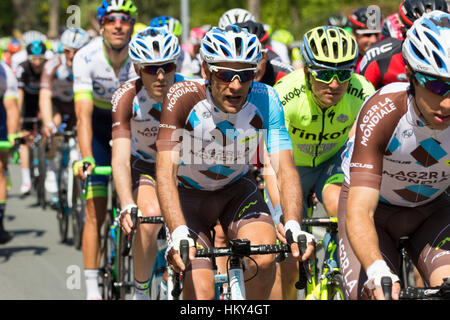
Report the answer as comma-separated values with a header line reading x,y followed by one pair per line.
x,y
397,168
236,15
211,181
56,103
136,111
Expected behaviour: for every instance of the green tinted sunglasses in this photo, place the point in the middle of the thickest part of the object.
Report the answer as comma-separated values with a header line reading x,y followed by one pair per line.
x,y
327,75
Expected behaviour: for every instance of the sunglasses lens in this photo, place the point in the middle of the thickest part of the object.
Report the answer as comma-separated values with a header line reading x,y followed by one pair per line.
x,y
122,18
169,67
434,85
228,75
328,75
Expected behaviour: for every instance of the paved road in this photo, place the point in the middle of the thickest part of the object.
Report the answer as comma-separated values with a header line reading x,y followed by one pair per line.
x,y
34,264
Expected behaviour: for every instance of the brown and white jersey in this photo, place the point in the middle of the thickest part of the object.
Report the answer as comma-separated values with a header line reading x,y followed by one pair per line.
x,y
136,115
58,77
395,152
216,147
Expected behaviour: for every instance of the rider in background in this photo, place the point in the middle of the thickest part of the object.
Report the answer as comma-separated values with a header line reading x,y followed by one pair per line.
x,y
29,74
365,34
383,62
173,25
269,70
99,69
56,98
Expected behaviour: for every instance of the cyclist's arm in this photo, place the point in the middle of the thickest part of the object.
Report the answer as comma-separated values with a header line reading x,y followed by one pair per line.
x,y
45,107
167,190
121,112
83,110
12,114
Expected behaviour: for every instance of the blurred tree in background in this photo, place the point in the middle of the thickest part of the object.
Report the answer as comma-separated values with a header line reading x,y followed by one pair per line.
x,y
297,16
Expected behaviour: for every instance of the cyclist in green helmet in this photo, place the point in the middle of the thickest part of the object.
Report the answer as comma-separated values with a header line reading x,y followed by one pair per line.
x,y
321,102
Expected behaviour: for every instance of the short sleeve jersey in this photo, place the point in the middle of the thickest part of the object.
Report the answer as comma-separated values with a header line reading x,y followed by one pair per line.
x,y
383,63
8,82
135,115
394,152
318,134
215,147
58,77
94,76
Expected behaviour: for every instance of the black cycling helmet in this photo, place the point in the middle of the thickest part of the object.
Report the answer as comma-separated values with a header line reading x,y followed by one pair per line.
x,y
337,20
358,20
36,48
255,28
411,10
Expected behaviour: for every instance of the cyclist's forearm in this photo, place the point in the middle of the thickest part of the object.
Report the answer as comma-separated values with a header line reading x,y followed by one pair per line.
x,y
45,105
167,191
121,170
12,115
360,226
83,110
290,189
21,94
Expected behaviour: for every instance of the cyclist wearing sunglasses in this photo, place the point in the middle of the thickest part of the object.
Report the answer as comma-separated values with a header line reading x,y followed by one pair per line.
x,y
365,34
136,112
56,97
99,69
383,62
397,170
321,102
208,136
28,74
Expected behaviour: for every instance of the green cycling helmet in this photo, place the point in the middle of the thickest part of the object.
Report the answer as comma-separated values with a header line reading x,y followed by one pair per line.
x,y
329,47
108,6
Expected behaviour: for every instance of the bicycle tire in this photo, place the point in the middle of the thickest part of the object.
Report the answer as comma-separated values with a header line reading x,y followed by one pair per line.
x,y
63,211
77,213
336,290
124,265
41,193
106,259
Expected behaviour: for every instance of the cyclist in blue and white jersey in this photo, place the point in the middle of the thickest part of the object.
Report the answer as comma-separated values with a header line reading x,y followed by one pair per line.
x,y
99,69
136,111
9,125
209,133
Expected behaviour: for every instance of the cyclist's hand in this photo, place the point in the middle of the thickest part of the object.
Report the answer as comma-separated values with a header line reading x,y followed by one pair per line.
x,y
126,223
48,129
293,231
173,250
78,169
372,287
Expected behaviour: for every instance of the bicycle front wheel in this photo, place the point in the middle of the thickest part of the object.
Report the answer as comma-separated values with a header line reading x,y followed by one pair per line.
x,y
336,289
63,212
77,213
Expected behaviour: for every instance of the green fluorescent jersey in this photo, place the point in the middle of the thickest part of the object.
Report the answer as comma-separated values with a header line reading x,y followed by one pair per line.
x,y
318,134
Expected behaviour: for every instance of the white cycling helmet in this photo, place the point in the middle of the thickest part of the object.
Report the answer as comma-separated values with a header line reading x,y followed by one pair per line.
x,y
426,48
75,38
235,16
33,35
231,44
154,46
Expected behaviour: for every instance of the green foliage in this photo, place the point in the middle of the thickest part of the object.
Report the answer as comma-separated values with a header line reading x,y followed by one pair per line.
x,y
297,16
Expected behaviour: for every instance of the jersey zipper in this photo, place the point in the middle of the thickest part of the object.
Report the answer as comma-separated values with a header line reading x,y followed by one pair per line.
x,y
321,135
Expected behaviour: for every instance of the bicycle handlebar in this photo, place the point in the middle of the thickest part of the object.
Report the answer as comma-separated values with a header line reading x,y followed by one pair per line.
x,y
441,292
233,250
